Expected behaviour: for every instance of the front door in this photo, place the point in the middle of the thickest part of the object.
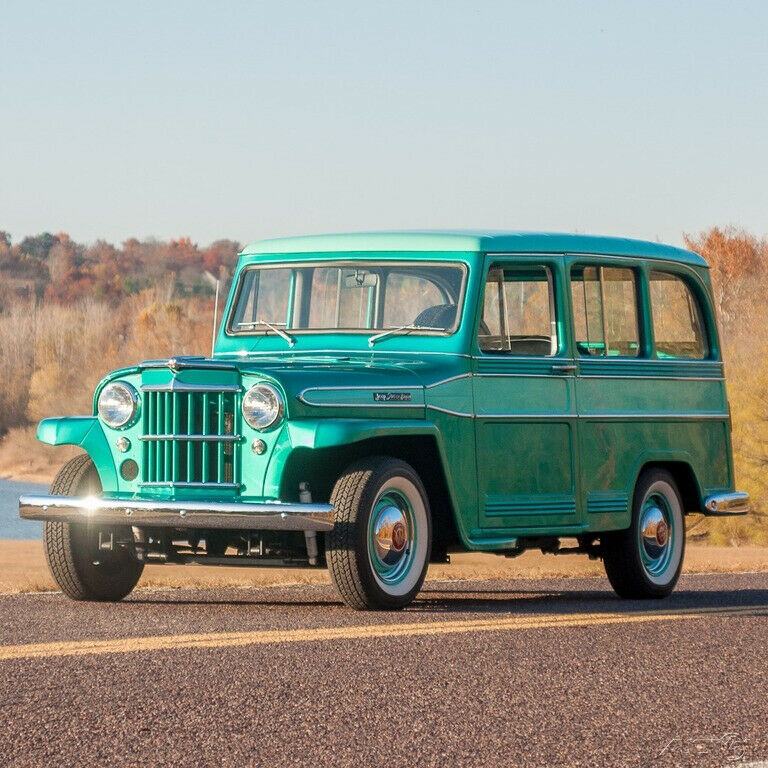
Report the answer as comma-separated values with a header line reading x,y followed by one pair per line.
x,y
524,399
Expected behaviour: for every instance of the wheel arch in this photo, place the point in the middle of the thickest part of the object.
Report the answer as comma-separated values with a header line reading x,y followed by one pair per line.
x,y
685,478
321,467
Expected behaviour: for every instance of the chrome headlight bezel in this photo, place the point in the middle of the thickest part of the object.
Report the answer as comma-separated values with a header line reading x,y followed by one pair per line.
x,y
130,405
272,406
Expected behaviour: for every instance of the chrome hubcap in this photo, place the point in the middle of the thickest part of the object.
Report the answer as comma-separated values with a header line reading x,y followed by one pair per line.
x,y
656,535
391,537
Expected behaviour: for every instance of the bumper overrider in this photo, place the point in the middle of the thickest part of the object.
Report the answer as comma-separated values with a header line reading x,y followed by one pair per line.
x,y
207,515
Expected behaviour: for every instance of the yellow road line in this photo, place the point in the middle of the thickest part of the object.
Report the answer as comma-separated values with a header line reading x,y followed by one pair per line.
x,y
359,632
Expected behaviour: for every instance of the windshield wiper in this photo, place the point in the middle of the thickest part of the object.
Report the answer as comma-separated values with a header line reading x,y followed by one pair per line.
x,y
279,331
401,329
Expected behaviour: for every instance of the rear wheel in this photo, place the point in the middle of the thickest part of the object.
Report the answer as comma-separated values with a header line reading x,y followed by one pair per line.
x,y
378,550
78,565
645,560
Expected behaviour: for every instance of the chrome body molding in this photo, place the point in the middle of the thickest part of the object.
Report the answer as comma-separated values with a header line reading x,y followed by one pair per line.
x,y
733,503
660,377
268,516
655,416
366,388
305,396
587,416
449,379
440,409
607,416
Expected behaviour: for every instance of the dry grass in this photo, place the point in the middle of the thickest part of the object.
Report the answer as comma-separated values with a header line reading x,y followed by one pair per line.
x,y
24,457
23,569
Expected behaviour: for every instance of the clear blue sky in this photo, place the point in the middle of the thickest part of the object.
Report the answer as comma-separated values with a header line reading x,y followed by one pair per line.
x,y
250,119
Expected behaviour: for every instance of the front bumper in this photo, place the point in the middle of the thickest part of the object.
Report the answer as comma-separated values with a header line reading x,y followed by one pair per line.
x,y
269,516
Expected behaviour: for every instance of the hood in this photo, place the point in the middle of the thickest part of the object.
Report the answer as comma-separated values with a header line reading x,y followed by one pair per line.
x,y
322,380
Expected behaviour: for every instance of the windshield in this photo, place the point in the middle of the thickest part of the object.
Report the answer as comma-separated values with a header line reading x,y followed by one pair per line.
x,y
353,297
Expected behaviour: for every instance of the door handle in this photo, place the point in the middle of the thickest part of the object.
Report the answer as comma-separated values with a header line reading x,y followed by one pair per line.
x,y
566,368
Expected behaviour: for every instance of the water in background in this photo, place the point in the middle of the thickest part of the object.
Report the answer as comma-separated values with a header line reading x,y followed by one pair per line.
x,y
11,525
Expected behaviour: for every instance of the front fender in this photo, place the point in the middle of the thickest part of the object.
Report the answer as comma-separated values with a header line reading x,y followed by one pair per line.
x,y
85,432
318,434
334,433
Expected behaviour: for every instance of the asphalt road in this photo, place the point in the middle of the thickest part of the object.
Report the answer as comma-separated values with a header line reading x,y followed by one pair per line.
x,y
530,673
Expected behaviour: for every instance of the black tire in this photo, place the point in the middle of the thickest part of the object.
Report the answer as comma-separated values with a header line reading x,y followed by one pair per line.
x,y
72,549
632,564
369,487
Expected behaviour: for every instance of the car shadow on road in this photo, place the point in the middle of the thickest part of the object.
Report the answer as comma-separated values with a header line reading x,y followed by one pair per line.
x,y
493,600
555,602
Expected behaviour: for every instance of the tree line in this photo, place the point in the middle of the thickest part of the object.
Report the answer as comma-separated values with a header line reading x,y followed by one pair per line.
x,y
57,268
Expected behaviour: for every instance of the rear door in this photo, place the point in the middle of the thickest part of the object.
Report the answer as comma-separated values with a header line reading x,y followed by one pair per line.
x,y
524,398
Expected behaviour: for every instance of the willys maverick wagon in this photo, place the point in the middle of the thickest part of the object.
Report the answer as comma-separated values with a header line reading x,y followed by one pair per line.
x,y
375,401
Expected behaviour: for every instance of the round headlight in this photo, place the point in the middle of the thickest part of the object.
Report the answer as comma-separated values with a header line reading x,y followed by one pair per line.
x,y
118,403
262,406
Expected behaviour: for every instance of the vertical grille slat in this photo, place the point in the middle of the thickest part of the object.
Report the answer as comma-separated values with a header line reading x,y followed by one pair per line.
x,y
206,431
190,431
175,444
158,431
168,423
220,445
181,434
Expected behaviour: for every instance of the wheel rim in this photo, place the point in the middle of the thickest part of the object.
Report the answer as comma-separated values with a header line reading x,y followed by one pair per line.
x,y
657,535
392,536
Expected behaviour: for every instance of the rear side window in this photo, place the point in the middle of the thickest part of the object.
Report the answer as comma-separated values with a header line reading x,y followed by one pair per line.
x,y
605,311
518,312
678,325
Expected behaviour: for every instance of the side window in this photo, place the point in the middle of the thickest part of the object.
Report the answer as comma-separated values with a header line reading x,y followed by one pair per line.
x,y
518,312
605,311
678,326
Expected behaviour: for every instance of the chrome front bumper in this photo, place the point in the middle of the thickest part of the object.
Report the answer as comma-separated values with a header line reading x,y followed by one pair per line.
x,y
735,503
269,516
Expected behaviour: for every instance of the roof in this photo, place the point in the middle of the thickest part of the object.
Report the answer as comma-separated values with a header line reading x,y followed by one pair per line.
x,y
473,241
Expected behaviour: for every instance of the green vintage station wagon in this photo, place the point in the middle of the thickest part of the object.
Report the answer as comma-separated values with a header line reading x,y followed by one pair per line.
x,y
376,401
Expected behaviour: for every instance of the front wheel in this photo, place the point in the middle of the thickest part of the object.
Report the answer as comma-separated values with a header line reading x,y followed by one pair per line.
x,y
378,550
78,565
645,560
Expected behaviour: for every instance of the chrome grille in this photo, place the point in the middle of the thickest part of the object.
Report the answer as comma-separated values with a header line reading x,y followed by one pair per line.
x,y
188,436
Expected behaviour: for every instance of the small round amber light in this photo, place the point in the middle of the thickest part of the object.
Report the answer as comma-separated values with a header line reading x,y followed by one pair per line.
x,y
129,470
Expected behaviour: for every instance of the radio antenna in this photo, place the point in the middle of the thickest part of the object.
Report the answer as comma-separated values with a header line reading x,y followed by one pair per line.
x,y
215,315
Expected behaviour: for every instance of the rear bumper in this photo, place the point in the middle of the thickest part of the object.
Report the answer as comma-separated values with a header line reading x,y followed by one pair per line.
x,y
270,516
722,504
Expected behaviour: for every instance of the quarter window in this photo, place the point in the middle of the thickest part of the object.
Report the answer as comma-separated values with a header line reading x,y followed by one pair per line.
x,y
605,311
678,327
518,312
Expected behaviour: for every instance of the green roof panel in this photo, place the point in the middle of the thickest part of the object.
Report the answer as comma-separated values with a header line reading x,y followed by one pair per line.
x,y
473,241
